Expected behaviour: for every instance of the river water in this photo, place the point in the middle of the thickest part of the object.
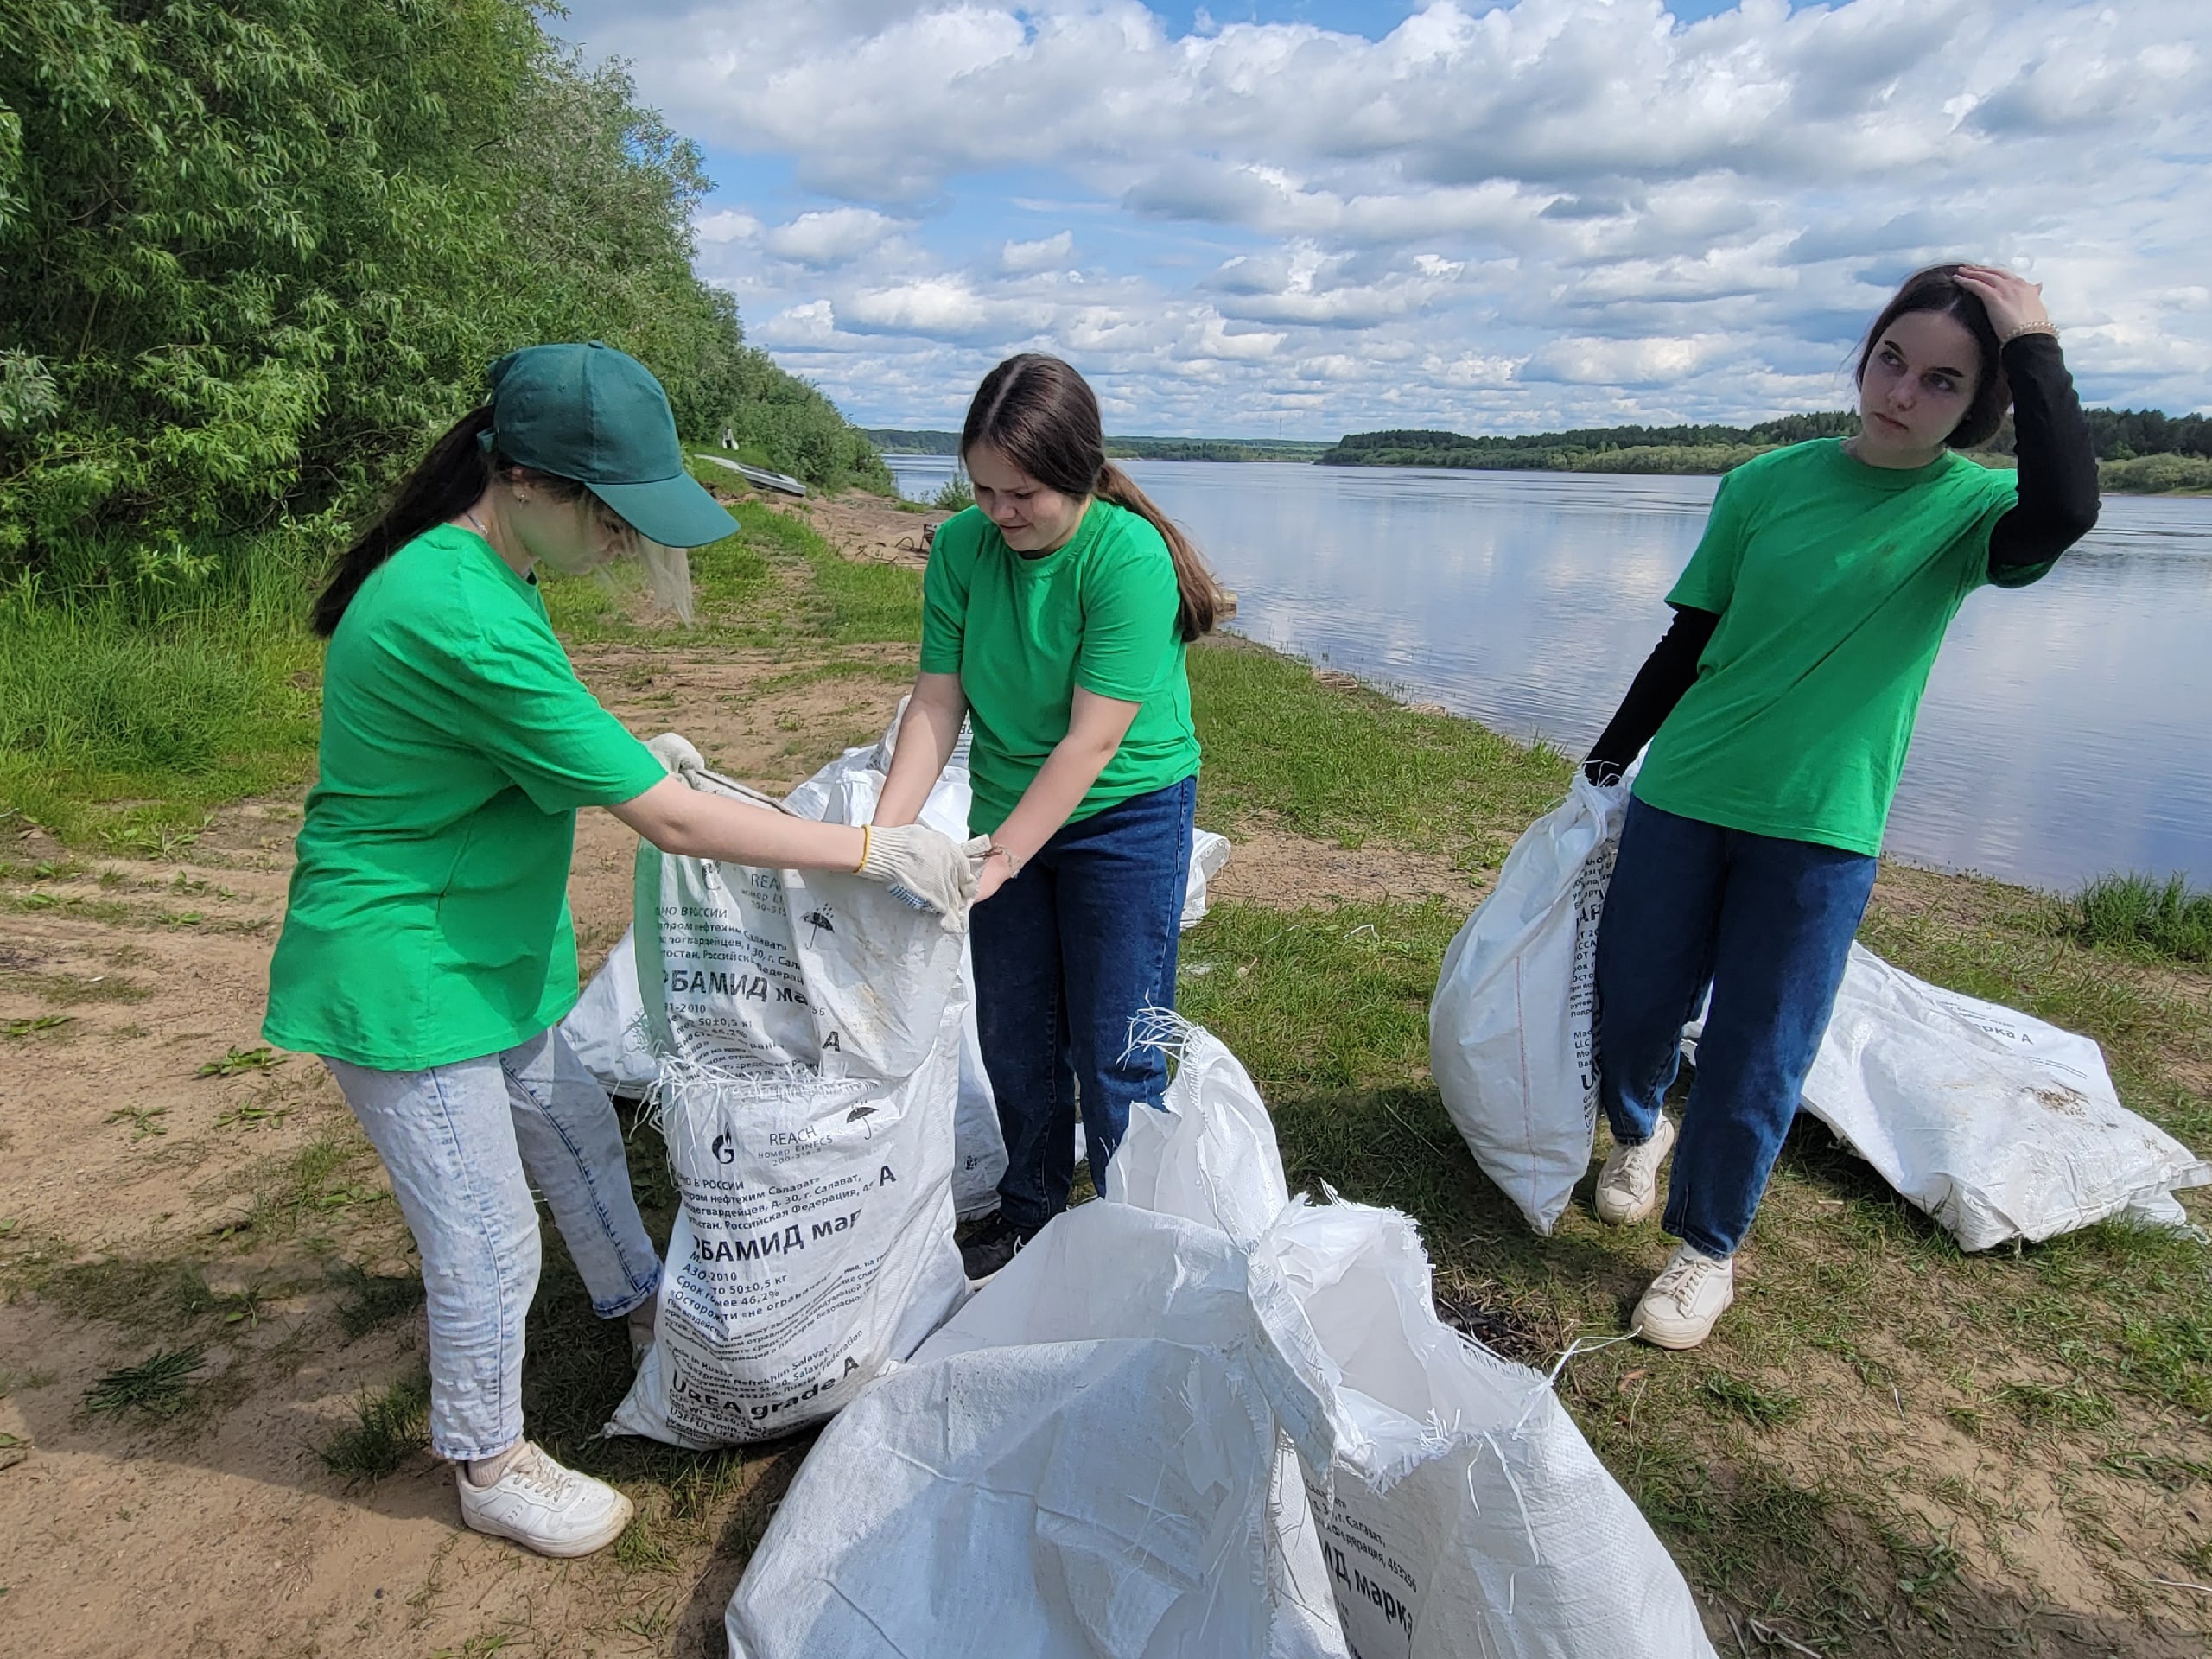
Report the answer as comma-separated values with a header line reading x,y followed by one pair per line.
x,y
2066,730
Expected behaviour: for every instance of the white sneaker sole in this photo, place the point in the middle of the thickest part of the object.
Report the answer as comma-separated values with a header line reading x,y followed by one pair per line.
x,y
562,1548
1678,1338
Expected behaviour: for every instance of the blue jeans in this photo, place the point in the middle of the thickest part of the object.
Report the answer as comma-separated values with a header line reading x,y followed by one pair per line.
x,y
1768,924
463,1143
1066,954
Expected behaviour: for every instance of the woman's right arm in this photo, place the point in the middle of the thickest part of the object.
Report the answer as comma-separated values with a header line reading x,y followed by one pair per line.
x,y
927,737
1667,673
692,824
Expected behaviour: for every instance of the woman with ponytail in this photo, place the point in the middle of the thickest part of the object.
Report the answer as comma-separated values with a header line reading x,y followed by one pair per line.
x,y
427,954
1056,612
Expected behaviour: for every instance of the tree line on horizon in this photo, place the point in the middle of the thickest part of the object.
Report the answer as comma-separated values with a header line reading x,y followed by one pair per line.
x,y
2119,435
254,257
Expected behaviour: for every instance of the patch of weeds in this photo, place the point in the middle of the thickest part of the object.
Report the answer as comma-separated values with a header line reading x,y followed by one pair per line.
x,y
1762,1408
641,1548
261,1058
2147,916
477,1647
37,1022
66,990
252,1115
241,1308
389,1426
2175,1474
161,1387
167,1295
2056,1405
144,1121
25,1382
2171,1356
374,1299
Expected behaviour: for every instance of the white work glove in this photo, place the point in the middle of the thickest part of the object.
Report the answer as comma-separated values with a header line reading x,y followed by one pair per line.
x,y
922,869
677,754
977,849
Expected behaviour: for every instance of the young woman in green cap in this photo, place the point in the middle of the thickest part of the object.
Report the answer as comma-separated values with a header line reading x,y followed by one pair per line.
x,y
427,954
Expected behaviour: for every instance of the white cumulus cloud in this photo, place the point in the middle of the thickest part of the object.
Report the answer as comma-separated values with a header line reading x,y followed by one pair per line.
x,y
1503,216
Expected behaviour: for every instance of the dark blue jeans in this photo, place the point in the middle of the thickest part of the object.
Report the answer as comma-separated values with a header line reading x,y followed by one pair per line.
x,y
1768,924
1066,954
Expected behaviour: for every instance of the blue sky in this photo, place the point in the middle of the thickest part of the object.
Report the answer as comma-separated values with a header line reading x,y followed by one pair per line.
x,y
1317,216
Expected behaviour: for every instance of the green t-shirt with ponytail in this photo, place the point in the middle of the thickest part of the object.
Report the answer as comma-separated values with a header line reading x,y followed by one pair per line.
x,y
1023,632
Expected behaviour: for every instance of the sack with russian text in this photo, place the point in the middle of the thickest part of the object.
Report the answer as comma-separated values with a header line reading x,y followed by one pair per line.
x,y
807,1028
1512,1031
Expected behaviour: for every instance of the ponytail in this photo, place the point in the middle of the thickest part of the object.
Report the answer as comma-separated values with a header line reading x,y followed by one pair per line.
x,y
446,481
1199,602
1042,416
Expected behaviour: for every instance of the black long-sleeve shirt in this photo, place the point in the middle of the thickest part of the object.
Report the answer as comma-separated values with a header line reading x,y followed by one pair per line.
x,y
2056,506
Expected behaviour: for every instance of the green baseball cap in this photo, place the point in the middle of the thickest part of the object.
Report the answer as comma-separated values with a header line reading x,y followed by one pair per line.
x,y
591,413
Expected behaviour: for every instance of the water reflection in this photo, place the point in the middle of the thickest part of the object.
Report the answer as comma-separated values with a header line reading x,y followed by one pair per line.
x,y
2063,733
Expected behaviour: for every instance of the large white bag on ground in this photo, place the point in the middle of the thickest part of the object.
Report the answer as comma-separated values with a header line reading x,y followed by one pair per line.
x,y
1998,1125
1464,1513
1461,1511
845,791
1077,1465
1512,1030
608,1026
809,1026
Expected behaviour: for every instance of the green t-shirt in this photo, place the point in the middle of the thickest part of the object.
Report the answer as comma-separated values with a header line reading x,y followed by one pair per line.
x,y
1834,582
429,915
1023,633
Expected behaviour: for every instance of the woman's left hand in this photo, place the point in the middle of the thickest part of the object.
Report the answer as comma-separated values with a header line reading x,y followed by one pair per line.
x,y
2013,302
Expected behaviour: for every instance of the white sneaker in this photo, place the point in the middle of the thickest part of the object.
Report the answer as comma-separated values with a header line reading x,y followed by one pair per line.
x,y
1685,1300
1628,1185
544,1507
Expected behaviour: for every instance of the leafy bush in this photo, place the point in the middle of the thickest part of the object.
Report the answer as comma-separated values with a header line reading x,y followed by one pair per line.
x,y
253,255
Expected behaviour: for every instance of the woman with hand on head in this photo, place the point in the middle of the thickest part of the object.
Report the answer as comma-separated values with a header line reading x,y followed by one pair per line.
x,y
1778,708
427,954
1056,612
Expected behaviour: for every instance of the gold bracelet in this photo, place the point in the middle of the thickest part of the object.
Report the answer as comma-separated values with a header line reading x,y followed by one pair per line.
x,y
867,842
2043,327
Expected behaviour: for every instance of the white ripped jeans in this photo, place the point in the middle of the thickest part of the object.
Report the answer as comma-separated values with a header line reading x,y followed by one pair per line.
x,y
464,1143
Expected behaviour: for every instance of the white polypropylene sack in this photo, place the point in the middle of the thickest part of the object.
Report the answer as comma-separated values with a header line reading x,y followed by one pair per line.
x,y
1209,853
845,791
1512,1030
1462,1512
606,1027
1998,1125
809,1026
1078,1464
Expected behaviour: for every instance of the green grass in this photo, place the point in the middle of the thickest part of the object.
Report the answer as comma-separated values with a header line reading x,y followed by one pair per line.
x,y
2139,911
390,1425
1346,765
125,713
161,1387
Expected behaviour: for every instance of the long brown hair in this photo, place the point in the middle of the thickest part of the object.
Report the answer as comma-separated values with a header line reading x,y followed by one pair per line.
x,y
449,478
1042,416
1937,289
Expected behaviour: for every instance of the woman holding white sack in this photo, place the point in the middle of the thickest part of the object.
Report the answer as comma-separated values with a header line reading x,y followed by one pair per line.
x,y
1777,709
1056,613
427,954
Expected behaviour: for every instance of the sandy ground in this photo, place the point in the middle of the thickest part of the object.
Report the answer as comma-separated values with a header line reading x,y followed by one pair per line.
x,y
221,1533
